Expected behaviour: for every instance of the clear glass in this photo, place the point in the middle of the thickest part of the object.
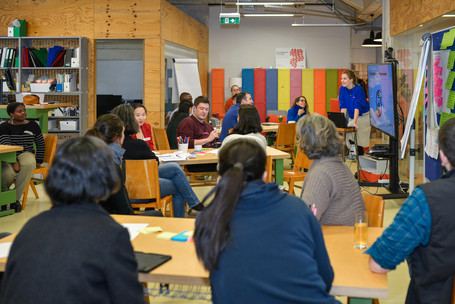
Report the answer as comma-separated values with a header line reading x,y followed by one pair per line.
x,y
361,230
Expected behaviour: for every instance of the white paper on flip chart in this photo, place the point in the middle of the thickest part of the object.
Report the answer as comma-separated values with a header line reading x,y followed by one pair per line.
x,y
133,229
4,249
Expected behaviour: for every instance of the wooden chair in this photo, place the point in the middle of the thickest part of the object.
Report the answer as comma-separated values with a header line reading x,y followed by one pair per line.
x,y
196,179
50,145
301,164
285,138
160,139
375,208
142,182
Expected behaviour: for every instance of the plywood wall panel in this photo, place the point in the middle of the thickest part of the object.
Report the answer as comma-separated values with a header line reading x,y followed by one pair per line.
x,y
407,14
49,17
120,19
152,98
178,27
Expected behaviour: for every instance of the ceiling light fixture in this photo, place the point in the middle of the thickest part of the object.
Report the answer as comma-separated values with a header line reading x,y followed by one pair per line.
x,y
378,37
325,24
369,42
268,3
271,15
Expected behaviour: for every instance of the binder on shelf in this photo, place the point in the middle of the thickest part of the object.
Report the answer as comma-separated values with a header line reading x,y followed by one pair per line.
x,y
59,60
68,56
53,54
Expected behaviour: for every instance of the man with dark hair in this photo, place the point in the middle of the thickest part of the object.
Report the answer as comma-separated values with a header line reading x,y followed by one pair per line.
x,y
195,128
422,232
230,119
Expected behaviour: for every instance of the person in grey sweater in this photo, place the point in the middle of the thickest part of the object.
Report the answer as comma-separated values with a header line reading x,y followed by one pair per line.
x,y
329,188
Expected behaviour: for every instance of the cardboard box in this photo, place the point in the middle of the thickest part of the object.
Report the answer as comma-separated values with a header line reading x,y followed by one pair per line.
x,y
69,125
40,87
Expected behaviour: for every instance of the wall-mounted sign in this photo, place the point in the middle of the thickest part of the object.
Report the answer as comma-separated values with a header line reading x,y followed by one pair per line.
x,y
292,58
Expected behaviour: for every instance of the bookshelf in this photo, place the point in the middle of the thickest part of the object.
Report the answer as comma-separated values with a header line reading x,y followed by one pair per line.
x,y
78,96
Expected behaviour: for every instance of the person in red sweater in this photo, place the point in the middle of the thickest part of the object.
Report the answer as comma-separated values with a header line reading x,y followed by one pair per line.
x,y
231,101
145,130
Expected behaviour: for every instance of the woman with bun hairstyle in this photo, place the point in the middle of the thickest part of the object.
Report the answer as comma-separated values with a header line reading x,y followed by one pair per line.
x,y
260,244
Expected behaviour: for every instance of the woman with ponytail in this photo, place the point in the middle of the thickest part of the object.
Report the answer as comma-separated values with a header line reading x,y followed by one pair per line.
x,y
260,244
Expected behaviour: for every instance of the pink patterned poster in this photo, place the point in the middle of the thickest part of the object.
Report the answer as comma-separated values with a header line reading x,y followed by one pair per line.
x,y
290,58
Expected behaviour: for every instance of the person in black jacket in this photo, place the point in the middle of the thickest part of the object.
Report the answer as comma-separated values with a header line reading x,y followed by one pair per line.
x,y
74,252
109,127
172,179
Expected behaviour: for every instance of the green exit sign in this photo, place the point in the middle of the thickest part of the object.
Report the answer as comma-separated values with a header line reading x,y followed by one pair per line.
x,y
230,20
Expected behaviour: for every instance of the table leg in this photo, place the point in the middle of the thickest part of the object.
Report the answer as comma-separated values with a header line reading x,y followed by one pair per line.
x,y
279,171
8,196
43,120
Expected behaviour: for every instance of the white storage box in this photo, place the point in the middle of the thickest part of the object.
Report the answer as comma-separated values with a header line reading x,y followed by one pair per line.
x,y
40,87
69,125
52,124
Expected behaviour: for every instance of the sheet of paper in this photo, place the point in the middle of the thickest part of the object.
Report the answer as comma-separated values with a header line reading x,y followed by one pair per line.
x,y
214,151
444,117
150,230
431,145
166,235
451,60
451,100
133,229
4,249
172,157
447,39
450,79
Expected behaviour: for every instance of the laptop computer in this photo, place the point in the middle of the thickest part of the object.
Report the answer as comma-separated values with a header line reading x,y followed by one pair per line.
x,y
338,119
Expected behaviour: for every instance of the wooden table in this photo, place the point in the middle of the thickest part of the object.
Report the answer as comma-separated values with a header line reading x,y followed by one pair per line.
x,y
39,111
210,158
270,127
8,154
353,277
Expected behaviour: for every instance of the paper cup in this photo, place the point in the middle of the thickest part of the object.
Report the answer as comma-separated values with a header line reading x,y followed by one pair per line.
x,y
197,148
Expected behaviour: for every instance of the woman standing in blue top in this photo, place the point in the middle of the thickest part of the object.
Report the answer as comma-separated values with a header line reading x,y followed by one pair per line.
x,y
354,105
298,110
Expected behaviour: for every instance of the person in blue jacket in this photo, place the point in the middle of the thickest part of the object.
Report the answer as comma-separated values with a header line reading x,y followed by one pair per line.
x,y
230,119
298,110
259,244
354,105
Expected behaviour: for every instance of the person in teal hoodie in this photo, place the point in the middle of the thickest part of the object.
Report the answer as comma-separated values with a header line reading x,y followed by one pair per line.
x,y
259,244
298,110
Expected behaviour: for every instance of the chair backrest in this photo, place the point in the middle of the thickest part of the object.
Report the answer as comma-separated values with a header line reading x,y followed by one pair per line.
x,y
268,168
302,162
285,135
276,118
141,179
160,139
50,145
375,209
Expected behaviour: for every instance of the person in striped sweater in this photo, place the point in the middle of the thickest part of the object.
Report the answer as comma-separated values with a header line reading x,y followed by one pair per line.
x,y
329,188
18,131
